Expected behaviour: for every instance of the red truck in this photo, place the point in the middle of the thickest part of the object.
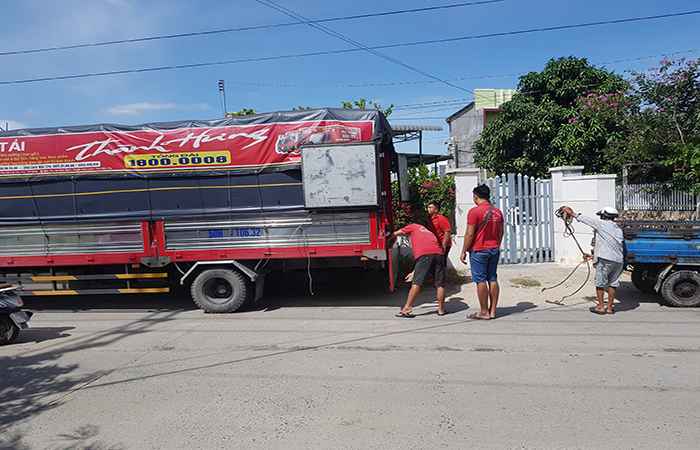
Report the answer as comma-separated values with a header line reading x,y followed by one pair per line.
x,y
208,205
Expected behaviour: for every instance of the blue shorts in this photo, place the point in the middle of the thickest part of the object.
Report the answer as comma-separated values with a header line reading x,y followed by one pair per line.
x,y
483,264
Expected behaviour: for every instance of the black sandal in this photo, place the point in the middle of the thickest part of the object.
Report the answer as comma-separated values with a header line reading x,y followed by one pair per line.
x,y
404,315
600,312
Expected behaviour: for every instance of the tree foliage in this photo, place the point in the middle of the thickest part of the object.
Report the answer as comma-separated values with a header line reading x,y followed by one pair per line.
x,y
551,121
363,104
572,113
665,129
242,112
424,187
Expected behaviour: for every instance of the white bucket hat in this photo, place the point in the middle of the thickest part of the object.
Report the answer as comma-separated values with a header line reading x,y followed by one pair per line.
x,y
608,211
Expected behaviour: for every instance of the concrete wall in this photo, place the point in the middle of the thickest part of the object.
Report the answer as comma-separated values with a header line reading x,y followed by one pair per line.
x,y
466,180
492,98
585,194
464,131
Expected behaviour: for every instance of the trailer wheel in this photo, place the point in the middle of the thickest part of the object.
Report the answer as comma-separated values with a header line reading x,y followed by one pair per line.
x,y
644,279
8,331
682,289
219,290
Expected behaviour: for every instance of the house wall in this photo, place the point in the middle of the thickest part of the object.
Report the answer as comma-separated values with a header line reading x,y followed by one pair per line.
x,y
466,129
464,132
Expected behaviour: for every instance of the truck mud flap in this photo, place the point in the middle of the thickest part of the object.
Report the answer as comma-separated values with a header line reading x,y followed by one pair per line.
x,y
662,276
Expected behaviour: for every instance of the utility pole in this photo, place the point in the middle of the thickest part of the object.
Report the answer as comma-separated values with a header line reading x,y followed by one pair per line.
x,y
222,91
420,146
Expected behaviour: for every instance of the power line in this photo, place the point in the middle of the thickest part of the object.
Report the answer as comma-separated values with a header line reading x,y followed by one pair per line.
x,y
543,29
357,44
431,104
328,52
279,84
247,28
449,103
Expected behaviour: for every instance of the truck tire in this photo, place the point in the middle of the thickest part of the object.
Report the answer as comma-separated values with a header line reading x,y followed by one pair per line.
x,y
644,279
219,290
8,331
682,289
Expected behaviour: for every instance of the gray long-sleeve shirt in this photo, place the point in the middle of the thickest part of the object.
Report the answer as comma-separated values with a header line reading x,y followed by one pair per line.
x,y
609,239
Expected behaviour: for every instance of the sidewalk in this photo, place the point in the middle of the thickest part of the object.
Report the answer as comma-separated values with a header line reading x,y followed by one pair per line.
x,y
521,286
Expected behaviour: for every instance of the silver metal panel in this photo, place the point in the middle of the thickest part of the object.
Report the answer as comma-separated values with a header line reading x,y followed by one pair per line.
x,y
340,176
268,231
46,240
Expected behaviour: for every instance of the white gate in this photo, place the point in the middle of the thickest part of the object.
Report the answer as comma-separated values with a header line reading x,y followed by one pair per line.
x,y
527,208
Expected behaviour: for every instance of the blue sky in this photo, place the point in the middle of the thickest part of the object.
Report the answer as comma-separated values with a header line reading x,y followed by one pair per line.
x,y
312,81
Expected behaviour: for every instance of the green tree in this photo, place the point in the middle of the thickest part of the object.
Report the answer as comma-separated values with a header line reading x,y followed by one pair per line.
x,y
363,104
549,121
241,112
423,187
665,128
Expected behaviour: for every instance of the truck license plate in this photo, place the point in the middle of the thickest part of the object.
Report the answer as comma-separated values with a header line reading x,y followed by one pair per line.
x,y
248,232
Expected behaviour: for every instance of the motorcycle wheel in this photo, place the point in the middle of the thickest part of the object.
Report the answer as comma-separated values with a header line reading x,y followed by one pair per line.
x,y
8,331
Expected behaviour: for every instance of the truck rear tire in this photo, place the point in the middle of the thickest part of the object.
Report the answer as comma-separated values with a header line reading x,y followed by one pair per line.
x,y
682,289
644,279
8,331
219,290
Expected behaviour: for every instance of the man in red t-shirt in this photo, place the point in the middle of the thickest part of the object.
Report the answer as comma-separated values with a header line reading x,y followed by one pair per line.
x,y
427,253
483,241
441,227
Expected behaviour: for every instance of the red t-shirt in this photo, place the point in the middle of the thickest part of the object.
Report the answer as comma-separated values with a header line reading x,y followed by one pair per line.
x,y
423,241
489,235
440,226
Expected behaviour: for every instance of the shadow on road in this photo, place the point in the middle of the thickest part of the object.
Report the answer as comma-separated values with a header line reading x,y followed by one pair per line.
x,y
628,297
41,334
35,380
519,308
339,287
147,303
82,438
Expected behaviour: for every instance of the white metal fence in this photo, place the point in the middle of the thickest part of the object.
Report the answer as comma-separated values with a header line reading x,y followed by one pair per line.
x,y
527,208
654,197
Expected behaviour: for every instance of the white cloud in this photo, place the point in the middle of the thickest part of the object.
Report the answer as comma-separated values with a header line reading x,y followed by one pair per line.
x,y
139,108
12,124
136,109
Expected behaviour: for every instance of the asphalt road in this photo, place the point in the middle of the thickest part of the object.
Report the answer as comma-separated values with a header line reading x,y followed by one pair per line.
x,y
337,370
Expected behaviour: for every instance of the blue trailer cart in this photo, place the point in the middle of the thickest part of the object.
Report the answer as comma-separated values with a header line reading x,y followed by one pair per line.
x,y
665,257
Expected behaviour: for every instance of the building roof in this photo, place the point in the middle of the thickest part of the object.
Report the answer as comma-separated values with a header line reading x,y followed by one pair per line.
x,y
460,112
413,127
410,132
414,159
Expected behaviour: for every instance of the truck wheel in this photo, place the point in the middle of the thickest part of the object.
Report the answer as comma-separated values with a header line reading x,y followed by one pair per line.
x,y
682,289
645,279
8,331
219,290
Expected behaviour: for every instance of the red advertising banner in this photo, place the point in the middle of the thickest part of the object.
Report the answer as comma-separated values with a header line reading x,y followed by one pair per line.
x,y
235,146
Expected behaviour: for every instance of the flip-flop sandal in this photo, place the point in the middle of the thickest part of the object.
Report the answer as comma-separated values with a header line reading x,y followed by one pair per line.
x,y
404,315
600,312
611,312
477,316
441,313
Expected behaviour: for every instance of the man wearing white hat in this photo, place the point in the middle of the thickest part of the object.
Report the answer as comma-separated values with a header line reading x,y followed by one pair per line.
x,y
608,253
